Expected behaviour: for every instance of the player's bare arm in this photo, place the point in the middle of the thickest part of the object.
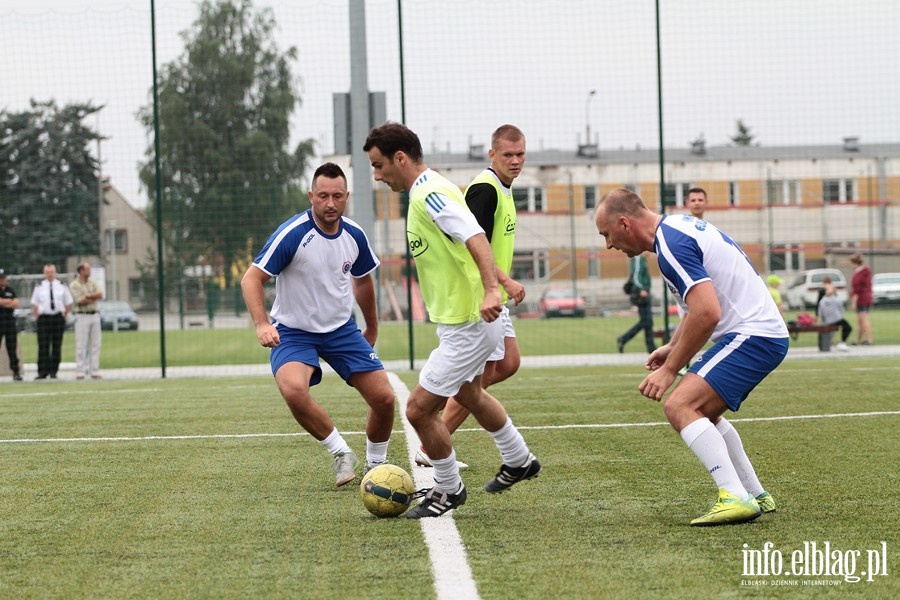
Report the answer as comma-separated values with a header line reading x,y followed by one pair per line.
x,y
364,292
480,249
252,288
694,331
514,289
659,356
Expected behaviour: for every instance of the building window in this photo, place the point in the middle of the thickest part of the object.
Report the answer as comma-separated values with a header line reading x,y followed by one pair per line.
x,y
520,197
529,199
593,265
734,196
786,257
674,194
117,241
839,190
532,266
538,195
136,289
590,197
783,191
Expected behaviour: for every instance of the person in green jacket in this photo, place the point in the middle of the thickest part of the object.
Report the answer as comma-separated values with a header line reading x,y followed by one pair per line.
x,y
639,276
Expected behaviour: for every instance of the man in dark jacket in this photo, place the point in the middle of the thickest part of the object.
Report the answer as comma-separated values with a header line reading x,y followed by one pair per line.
x,y
9,302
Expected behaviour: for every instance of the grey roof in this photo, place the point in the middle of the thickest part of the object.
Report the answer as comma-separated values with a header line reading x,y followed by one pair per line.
x,y
651,155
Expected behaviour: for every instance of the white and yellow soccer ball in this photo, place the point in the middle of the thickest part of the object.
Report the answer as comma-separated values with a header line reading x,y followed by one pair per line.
x,y
387,490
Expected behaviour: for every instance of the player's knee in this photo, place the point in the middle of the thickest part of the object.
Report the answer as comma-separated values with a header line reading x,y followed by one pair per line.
x,y
507,370
673,406
414,414
383,402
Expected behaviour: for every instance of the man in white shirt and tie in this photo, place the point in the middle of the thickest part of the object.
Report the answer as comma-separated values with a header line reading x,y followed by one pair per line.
x,y
50,303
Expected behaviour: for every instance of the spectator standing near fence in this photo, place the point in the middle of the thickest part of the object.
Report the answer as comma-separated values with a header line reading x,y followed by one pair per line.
x,y
50,305
861,299
639,276
86,294
322,261
831,312
9,302
458,279
489,197
726,302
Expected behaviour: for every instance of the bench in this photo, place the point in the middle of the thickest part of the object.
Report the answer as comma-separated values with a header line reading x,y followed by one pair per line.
x,y
826,332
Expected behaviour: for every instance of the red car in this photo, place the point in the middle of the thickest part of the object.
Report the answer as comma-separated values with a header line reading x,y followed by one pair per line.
x,y
561,303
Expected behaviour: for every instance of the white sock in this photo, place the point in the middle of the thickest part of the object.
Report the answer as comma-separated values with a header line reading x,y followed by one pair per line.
x,y
376,452
446,474
511,444
335,443
706,442
739,457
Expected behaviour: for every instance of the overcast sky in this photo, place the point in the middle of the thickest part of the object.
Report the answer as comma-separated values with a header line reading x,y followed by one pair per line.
x,y
797,72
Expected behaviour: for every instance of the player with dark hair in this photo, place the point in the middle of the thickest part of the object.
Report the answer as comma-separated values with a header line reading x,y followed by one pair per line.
x,y
458,279
322,261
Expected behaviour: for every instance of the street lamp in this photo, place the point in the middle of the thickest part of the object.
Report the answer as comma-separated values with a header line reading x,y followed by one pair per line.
x,y
587,117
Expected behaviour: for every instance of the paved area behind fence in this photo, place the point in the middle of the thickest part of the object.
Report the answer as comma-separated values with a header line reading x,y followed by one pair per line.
x,y
67,370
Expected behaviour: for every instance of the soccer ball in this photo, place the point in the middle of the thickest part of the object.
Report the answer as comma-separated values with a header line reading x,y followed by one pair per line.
x,y
387,490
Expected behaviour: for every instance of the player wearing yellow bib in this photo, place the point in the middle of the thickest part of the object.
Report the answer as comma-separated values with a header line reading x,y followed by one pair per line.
x,y
489,197
458,279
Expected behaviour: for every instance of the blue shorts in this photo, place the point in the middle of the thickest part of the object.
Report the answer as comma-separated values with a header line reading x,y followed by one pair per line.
x,y
737,363
345,349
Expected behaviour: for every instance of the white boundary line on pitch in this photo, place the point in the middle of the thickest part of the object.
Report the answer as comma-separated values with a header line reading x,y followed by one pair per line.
x,y
412,448
452,576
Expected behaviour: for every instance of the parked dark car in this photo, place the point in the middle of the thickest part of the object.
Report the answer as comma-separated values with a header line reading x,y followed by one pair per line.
x,y
25,318
115,314
561,303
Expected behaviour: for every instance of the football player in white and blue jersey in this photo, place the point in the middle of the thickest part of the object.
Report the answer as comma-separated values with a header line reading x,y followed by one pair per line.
x,y
322,262
725,301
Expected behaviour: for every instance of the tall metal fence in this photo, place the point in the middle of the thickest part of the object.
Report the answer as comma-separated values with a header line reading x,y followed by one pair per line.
x,y
785,114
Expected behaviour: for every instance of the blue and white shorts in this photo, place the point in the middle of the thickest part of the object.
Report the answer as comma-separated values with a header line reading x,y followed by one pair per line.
x,y
737,363
460,355
345,349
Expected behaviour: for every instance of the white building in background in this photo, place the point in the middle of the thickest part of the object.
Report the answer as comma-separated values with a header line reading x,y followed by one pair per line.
x,y
791,208
128,238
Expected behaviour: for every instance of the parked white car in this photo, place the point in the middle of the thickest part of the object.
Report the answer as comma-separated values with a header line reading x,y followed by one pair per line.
x,y
886,288
803,291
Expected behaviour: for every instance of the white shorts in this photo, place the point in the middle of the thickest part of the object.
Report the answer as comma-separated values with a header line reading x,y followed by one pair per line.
x,y
508,332
460,356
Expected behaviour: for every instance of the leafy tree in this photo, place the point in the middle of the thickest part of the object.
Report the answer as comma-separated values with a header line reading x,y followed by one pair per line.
x,y
224,116
743,137
48,186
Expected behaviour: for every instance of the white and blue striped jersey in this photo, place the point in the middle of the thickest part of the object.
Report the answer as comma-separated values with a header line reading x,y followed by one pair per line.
x,y
313,270
691,250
